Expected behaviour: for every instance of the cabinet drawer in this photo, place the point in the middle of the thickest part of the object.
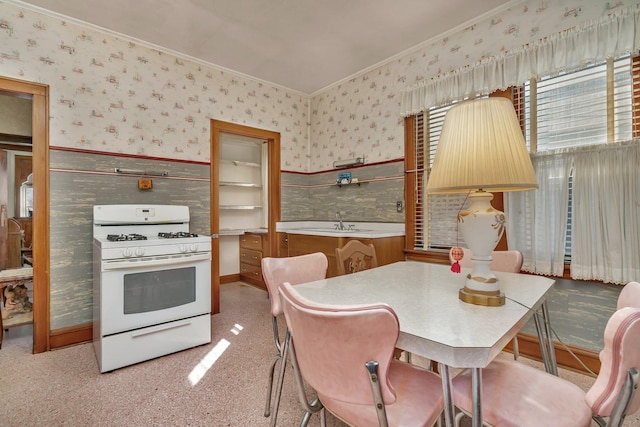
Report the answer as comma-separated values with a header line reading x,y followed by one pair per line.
x,y
249,256
251,271
251,241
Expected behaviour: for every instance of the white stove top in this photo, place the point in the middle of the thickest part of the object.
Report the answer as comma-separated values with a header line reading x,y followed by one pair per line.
x,y
147,221
153,246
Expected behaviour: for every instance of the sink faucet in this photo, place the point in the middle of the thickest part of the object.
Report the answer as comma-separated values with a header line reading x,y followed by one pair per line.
x,y
339,218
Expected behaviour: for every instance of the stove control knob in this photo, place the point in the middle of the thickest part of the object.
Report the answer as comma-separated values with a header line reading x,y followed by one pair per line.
x,y
193,247
139,252
127,253
183,248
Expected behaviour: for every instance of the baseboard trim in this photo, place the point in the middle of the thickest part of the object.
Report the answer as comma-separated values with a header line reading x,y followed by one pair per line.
x,y
229,278
65,337
528,346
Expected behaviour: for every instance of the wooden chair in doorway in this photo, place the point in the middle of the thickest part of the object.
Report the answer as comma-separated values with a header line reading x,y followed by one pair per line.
x,y
355,256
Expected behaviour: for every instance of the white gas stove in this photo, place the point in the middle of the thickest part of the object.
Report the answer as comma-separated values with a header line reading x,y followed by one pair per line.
x,y
152,283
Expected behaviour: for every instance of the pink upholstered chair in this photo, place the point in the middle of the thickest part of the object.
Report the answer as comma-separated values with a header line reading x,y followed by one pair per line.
x,y
345,354
507,261
629,296
295,270
515,394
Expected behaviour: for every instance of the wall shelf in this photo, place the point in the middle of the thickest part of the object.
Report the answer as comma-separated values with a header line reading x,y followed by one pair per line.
x,y
239,184
239,207
351,183
239,163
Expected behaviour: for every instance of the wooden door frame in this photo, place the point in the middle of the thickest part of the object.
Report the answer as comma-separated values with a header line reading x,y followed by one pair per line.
x,y
39,95
273,190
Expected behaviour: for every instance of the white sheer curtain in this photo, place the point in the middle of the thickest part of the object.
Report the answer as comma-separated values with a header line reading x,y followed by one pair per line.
x,y
606,214
605,234
611,36
537,220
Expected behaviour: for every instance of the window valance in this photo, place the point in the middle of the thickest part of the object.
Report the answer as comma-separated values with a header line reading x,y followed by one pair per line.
x,y
610,36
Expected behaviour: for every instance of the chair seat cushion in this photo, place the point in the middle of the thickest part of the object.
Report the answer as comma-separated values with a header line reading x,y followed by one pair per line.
x,y
419,399
515,394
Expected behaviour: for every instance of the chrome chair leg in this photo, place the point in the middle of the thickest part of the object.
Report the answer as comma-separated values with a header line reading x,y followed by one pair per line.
x,y
272,368
283,365
372,369
309,407
278,356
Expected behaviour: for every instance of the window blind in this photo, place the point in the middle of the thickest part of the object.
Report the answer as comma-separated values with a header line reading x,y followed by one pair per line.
x,y
436,215
587,107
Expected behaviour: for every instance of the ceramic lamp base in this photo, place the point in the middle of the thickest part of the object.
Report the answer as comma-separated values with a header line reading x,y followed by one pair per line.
x,y
490,299
481,226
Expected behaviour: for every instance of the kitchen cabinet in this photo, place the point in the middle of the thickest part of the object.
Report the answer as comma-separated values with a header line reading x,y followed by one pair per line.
x,y
253,246
283,245
388,249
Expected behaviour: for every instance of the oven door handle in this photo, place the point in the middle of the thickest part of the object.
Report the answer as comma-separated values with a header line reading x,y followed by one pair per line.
x,y
160,328
155,262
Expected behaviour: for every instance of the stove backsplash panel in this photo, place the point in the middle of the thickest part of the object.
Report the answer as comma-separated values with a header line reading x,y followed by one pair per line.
x,y
78,181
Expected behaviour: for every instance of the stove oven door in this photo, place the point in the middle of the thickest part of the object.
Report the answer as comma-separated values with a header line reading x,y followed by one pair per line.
x,y
142,292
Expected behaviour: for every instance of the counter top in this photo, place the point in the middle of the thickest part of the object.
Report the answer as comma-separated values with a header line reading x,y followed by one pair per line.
x,y
364,230
241,231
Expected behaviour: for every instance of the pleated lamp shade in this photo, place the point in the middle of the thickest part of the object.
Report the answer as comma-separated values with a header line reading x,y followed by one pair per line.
x,y
481,147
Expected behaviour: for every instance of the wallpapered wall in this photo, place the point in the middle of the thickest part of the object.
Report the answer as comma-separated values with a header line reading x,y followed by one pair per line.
x,y
112,94
361,115
116,95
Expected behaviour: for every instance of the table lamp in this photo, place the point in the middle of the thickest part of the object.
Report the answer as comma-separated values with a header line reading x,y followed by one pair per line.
x,y
481,149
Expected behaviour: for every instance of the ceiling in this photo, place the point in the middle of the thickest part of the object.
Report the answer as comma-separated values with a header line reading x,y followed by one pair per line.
x,y
304,45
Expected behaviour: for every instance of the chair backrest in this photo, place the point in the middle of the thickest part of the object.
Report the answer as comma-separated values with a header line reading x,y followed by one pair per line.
x,y
333,343
14,244
621,352
295,270
629,296
355,256
507,261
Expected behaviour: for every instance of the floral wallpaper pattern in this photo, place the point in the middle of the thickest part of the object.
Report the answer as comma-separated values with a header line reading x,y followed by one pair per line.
x,y
114,95
361,116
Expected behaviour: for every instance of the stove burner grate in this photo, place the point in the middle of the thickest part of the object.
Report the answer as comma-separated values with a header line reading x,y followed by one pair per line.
x,y
125,237
176,235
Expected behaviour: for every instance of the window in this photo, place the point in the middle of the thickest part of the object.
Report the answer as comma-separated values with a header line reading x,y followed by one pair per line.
x,y
436,222
592,106
587,107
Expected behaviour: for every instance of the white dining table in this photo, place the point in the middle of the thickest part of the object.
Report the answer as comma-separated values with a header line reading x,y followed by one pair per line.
x,y
438,326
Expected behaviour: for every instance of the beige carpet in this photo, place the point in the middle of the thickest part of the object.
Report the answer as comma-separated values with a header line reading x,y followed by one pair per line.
x,y
64,387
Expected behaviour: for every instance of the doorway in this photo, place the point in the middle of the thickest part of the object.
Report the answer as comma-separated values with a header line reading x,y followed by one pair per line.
x,y
218,130
39,95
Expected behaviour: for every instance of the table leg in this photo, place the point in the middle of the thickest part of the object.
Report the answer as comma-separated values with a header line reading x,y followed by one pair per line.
x,y
448,399
550,347
476,395
542,342
546,341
